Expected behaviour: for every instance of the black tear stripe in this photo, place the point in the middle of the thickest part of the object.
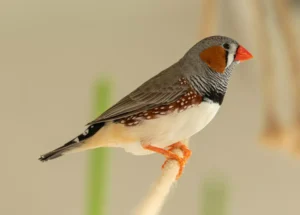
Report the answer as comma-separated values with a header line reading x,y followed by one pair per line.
x,y
236,52
226,57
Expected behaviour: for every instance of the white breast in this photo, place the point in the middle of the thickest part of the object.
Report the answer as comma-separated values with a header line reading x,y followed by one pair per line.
x,y
171,128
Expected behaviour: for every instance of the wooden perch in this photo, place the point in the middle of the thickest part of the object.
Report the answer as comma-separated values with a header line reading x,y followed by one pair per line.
x,y
153,203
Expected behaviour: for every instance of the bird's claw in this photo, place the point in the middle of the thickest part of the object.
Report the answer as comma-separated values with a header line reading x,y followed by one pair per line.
x,y
181,161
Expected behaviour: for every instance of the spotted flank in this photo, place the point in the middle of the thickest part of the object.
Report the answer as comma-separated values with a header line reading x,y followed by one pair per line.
x,y
182,81
74,143
188,100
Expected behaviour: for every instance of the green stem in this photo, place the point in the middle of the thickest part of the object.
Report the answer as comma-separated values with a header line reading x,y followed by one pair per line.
x,y
214,197
98,173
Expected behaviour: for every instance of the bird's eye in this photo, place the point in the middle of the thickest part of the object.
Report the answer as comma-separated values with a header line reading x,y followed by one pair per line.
x,y
226,46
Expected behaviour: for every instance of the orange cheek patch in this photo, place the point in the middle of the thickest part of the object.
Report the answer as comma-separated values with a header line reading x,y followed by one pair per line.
x,y
215,58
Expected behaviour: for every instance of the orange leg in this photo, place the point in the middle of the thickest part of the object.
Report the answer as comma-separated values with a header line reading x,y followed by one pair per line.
x,y
171,155
186,152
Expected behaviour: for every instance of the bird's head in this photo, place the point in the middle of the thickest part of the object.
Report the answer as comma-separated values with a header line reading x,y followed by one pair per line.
x,y
218,53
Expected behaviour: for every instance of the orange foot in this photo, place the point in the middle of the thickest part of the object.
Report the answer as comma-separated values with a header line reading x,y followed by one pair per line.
x,y
172,156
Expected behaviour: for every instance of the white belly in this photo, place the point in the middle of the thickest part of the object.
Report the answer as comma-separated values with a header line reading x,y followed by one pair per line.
x,y
171,128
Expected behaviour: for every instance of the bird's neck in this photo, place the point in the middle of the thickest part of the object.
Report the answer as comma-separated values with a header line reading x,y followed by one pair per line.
x,y
209,84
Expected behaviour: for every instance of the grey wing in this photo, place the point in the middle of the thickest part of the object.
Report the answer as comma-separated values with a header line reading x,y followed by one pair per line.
x,y
162,89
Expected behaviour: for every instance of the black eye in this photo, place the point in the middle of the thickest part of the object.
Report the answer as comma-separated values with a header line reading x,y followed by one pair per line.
x,y
226,46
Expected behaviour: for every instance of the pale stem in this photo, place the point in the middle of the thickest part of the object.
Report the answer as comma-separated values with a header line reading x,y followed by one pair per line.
x,y
263,38
153,203
209,18
290,39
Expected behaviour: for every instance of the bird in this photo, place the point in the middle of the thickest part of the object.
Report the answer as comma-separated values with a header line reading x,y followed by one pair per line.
x,y
169,108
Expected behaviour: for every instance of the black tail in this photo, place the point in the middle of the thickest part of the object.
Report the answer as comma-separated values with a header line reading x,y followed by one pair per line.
x,y
60,151
73,144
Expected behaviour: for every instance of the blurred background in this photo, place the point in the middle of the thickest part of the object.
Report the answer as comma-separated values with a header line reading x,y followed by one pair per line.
x,y
63,62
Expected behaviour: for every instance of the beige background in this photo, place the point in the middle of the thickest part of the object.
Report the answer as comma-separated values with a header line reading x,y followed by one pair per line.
x,y
50,54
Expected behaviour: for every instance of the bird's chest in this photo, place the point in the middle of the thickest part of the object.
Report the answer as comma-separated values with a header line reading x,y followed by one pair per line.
x,y
177,126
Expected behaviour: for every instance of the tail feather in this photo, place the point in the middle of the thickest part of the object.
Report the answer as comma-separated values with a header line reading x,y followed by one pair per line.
x,y
59,151
73,144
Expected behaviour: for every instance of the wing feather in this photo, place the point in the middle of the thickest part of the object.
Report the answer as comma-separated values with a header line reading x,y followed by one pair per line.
x,y
162,89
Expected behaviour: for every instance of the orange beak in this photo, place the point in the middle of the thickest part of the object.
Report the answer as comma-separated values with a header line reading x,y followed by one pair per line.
x,y
242,54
